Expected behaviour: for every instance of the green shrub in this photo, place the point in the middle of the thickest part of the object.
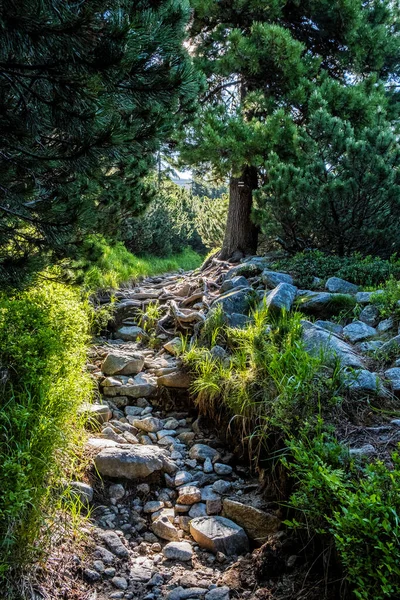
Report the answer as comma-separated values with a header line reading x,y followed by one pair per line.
x,y
43,338
365,271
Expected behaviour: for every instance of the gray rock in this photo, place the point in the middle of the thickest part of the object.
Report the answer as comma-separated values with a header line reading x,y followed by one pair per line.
x,y
189,494
120,583
114,544
174,346
371,346
222,469
221,486
116,491
208,466
153,506
164,529
142,385
257,524
322,303
362,381
393,375
319,342
272,279
135,462
219,534
370,315
358,332
246,269
109,433
330,326
219,352
141,570
90,575
340,286
177,379
202,451
385,325
364,451
178,551
183,477
96,413
234,283
148,424
392,345
220,593
81,490
198,510
366,297
118,363
131,333
282,298
235,301
237,321
192,593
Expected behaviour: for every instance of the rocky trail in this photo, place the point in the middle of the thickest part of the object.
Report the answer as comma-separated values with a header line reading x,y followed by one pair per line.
x,y
174,513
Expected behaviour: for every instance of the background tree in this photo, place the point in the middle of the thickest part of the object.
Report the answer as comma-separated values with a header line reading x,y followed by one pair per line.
x,y
264,60
87,92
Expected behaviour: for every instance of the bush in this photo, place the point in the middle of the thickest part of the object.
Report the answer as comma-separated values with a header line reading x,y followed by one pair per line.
x,y
43,337
369,271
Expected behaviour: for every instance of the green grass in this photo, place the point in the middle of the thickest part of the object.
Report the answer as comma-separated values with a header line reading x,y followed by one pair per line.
x,y
111,266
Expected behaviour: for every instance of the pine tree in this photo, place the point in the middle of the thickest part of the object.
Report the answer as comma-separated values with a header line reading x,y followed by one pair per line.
x,y
88,91
264,61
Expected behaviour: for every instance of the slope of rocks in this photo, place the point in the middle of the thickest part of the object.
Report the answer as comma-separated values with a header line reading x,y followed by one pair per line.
x,y
175,511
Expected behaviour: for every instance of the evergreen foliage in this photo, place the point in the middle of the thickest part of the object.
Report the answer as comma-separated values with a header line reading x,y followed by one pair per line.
x,y
288,83
87,92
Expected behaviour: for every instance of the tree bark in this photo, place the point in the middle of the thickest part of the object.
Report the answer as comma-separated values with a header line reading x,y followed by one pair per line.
x,y
241,235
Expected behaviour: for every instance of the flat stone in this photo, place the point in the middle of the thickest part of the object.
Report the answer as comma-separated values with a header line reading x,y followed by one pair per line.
x,y
189,494
319,342
135,462
281,298
131,333
192,593
142,385
202,451
237,320
257,524
272,278
358,332
178,551
164,529
340,286
118,363
148,424
177,379
218,534
114,544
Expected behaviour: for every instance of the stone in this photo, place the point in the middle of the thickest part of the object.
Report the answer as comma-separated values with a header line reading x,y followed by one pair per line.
x,y
234,301
96,413
330,326
370,315
222,469
177,379
366,297
198,510
153,506
237,321
364,451
340,286
385,325
217,352
120,583
178,551
202,451
109,433
362,381
165,432
182,477
118,363
139,386
371,346
208,466
358,332
219,593
323,303
171,424
116,491
131,333
221,486
174,346
272,279
393,375
281,298
218,534
148,424
319,342
135,462
164,529
191,593
246,269
234,283
113,542
257,524
81,490
189,494
392,345
91,576
142,569
100,443
104,555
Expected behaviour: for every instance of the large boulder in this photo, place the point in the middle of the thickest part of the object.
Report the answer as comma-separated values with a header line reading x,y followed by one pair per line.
x,y
140,386
281,298
135,462
340,286
257,524
219,534
362,381
358,331
235,301
120,363
322,343
272,279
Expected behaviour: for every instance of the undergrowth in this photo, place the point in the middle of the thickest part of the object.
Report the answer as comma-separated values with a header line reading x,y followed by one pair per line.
x,y
43,339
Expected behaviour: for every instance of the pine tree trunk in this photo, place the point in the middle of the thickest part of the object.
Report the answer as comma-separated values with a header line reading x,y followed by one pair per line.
x,y
241,235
